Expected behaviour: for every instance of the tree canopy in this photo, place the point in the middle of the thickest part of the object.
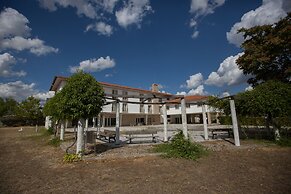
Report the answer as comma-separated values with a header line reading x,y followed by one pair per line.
x,y
271,98
81,97
30,109
8,106
267,52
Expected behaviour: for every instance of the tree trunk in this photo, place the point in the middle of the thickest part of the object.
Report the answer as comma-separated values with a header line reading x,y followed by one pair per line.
x,y
62,131
80,138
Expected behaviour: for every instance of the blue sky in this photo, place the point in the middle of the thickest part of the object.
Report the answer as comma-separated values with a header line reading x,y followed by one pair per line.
x,y
188,47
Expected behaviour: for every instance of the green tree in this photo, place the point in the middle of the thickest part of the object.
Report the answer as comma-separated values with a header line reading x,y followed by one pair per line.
x,y
31,110
10,107
267,52
2,107
82,97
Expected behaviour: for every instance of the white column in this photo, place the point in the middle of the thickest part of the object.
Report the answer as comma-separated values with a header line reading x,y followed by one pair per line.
x,y
204,122
165,118
209,118
80,137
99,123
184,118
117,140
146,118
234,123
94,122
86,125
62,131
103,121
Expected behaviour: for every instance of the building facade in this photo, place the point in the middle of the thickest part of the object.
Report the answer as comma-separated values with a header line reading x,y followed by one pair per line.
x,y
141,107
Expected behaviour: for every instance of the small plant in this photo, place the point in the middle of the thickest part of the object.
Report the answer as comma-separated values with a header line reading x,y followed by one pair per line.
x,y
55,142
69,158
181,148
284,142
50,130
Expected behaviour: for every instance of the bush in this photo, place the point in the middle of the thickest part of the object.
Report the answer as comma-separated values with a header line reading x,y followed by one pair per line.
x,y
179,147
55,142
284,142
69,158
50,130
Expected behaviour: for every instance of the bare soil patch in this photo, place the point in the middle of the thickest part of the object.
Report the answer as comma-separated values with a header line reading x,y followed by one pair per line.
x,y
30,165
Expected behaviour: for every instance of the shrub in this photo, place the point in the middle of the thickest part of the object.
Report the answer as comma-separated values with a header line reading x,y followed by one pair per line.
x,y
55,142
179,147
284,142
69,158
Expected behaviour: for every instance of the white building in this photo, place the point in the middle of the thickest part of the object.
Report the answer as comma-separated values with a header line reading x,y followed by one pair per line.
x,y
136,108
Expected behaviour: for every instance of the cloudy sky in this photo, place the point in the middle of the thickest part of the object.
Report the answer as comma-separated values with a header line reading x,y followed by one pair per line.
x,y
188,47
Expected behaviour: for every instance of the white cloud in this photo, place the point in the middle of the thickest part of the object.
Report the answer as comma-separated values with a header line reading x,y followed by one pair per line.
x,y
194,81
201,8
204,7
6,61
195,34
43,96
14,34
84,7
13,23
249,88
268,13
20,91
101,27
133,12
225,94
181,93
108,5
197,91
109,75
17,90
228,73
94,65
35,45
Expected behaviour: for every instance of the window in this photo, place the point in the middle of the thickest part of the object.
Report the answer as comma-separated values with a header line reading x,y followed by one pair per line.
x,y
113,107
141,108
124,95
187,105
124,107
114,94
176,106
149,108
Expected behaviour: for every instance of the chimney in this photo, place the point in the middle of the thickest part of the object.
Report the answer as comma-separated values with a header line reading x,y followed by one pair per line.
x,y
155,87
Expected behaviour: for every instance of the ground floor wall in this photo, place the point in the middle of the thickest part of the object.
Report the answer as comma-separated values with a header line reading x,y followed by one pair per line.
x,y
127,119
195,118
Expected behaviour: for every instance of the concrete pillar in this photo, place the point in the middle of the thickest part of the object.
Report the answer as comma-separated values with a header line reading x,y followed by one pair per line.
x,y
165,119
146,119
204,122
80,137
48,122
86,125
184,117
66,125
209,118
117,130
103,121
234,123
99,123
94,122
62,131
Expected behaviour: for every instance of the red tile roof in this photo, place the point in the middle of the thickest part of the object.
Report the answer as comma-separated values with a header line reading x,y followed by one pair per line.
x,y
58,79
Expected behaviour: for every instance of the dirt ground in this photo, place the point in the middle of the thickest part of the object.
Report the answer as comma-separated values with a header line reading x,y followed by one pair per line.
x,y
30,165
